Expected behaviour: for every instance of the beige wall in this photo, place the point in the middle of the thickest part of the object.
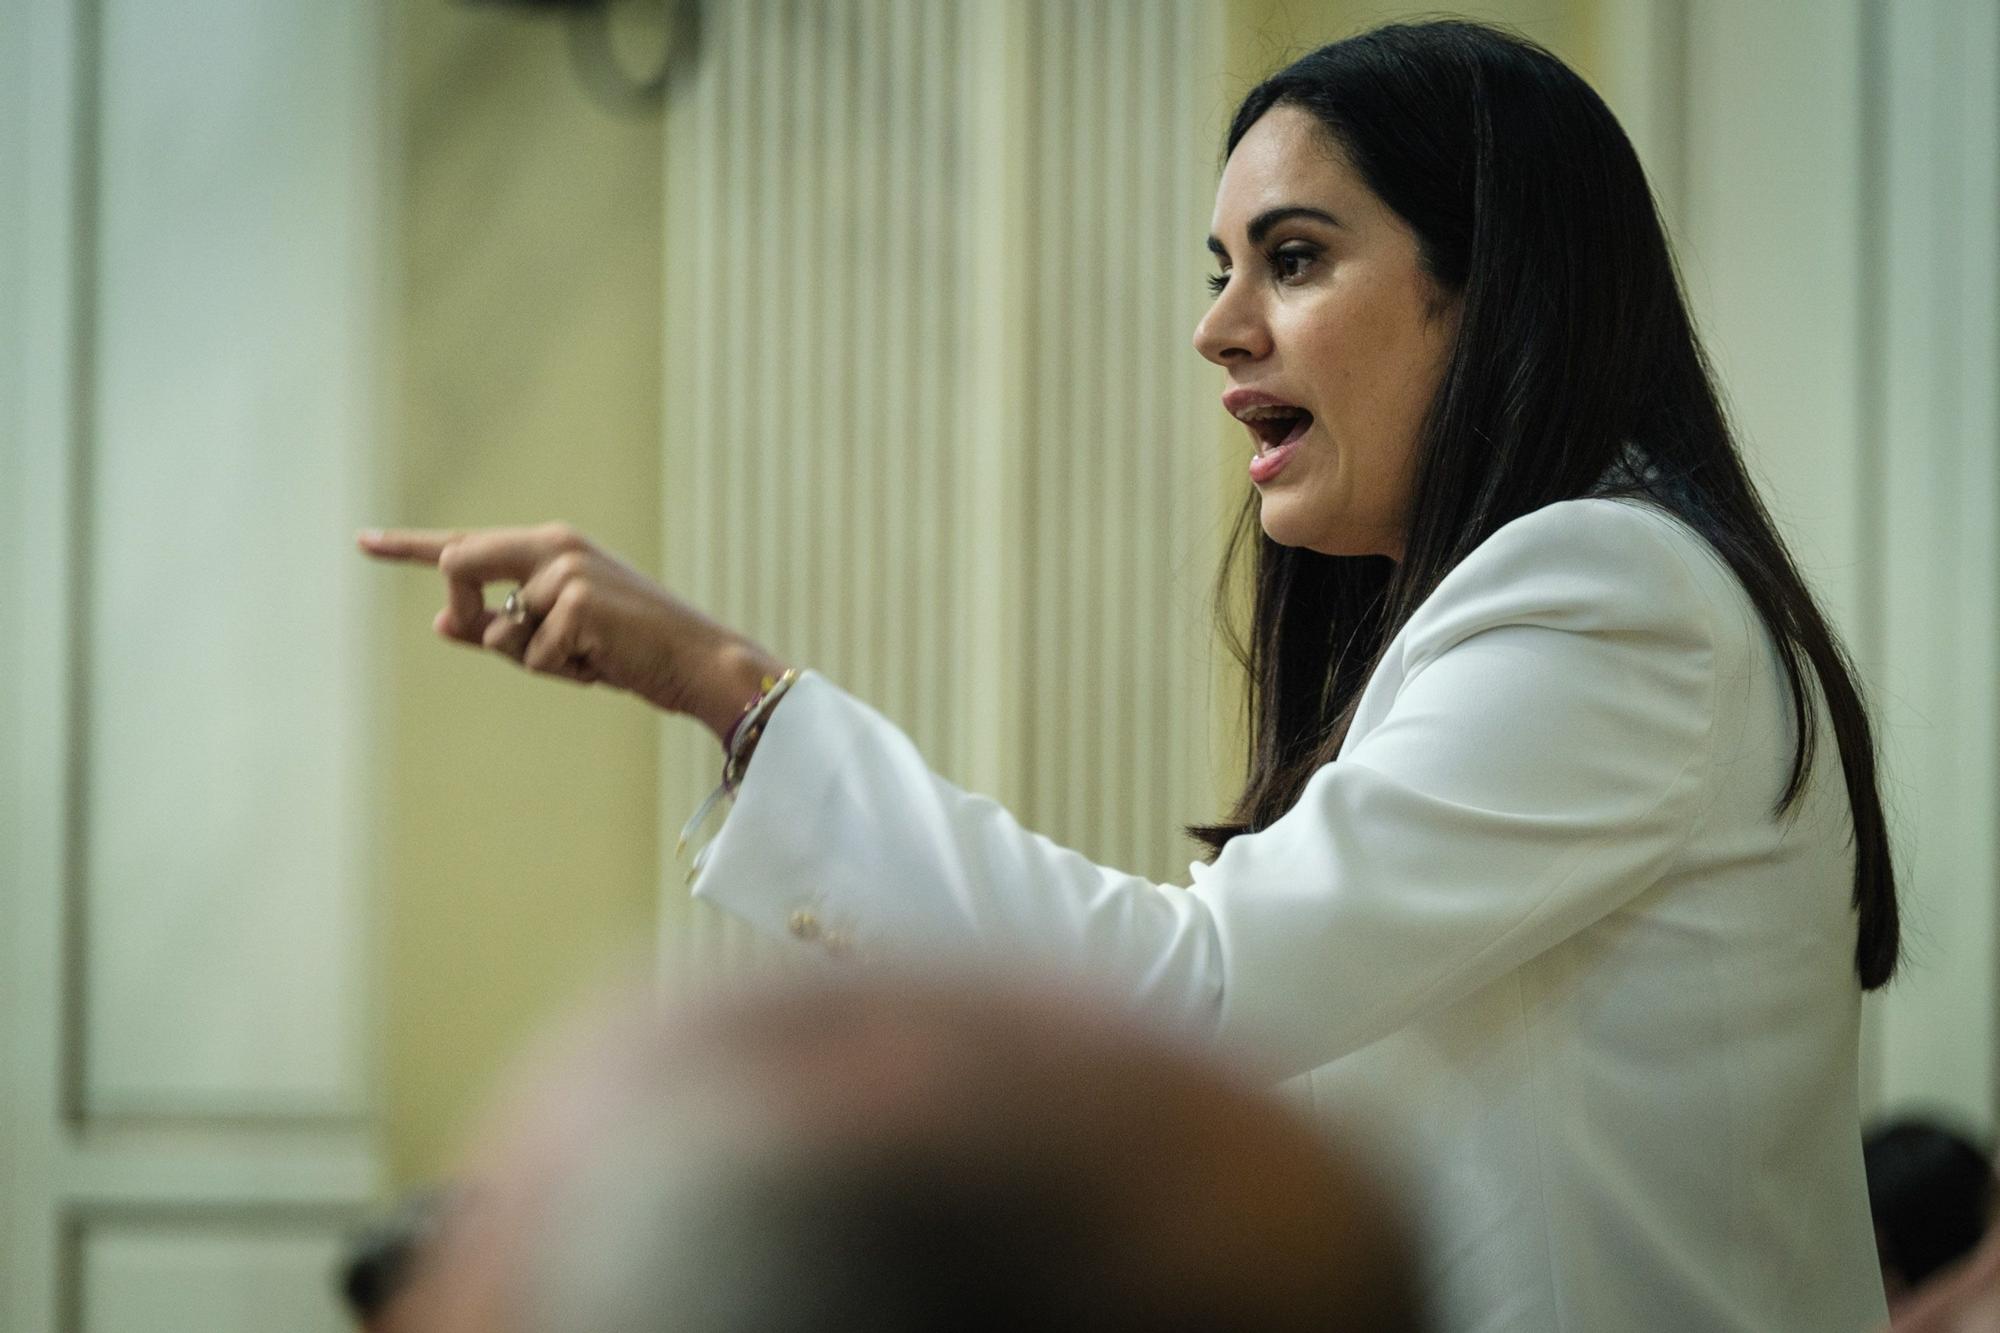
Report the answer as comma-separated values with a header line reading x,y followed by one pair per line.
x,y
519,847
1264,34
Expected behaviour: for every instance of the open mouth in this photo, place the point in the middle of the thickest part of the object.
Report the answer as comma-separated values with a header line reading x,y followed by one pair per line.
x,y
1276,427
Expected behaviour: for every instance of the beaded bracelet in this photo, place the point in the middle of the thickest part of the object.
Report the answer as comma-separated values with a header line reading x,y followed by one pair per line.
x,y
749,728
737,748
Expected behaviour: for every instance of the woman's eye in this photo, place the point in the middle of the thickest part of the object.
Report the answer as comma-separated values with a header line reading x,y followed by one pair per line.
x,y
1216,282
1291,264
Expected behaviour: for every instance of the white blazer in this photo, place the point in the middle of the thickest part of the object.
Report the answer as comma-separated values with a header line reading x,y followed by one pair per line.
x,y
1536,935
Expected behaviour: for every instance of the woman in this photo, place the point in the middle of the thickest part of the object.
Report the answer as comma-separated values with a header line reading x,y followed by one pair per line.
x,y
1544,864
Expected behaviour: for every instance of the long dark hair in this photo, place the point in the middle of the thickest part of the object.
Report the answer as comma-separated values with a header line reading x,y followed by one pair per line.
x,y
1574,345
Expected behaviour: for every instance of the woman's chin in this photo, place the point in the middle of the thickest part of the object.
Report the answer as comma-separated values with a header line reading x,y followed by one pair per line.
x,y
1284,523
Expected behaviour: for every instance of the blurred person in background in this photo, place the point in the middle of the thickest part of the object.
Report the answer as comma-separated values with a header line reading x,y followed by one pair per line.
x,y
1961,1299
1931,1190
896,1156
1560,848
381,1261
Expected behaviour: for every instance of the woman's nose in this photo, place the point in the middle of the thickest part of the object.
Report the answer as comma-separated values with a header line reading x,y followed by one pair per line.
x,y
1232,330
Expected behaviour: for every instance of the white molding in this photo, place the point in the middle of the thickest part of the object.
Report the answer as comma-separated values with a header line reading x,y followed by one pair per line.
x,y
39,692
15,781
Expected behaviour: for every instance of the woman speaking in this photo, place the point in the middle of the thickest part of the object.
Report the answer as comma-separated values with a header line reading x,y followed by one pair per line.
x,y
1560,856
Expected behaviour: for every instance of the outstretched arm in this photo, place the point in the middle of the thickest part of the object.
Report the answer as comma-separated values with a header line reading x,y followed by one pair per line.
x,y
1538,757
582,615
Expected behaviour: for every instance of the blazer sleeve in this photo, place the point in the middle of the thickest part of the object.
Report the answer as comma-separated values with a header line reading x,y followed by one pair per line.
x,y
1542,759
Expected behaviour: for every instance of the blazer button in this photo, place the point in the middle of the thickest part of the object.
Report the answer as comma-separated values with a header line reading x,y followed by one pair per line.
x,y
804,925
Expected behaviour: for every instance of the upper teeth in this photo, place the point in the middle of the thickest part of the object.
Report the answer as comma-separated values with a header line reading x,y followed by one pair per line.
x,y
1266,412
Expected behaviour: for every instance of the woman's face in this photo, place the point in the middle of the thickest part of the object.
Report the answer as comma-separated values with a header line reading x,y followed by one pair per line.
x,y
1334,337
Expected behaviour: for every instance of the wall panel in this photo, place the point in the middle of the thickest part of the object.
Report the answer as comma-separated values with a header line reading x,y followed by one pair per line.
x,y
166,1275
221,390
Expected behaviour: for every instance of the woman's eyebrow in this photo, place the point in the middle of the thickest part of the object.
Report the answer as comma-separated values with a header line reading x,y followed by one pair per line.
x,y
1260,226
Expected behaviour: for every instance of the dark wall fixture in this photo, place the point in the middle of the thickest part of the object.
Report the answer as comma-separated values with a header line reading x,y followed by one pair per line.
x,y
602,33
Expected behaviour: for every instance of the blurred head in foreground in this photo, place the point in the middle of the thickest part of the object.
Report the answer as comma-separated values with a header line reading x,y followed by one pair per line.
x,y
896,1154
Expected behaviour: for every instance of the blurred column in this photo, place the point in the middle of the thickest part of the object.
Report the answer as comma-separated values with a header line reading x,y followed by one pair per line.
x,y
933,425
1931,271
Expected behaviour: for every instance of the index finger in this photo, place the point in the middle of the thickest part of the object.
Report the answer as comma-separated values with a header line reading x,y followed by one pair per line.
x,y
489,555
422,545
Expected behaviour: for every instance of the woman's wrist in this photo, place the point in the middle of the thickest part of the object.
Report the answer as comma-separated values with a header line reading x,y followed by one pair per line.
x,y
741,674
